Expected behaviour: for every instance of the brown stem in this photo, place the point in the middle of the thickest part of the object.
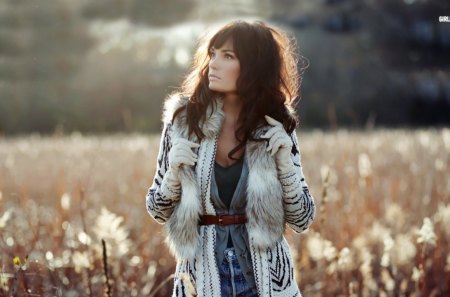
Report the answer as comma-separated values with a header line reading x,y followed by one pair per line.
x,y
162,284
105,269
83,222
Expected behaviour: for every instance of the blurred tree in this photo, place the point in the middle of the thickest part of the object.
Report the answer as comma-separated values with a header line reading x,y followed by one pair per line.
x,y
41,46
150,12
386,71
414,46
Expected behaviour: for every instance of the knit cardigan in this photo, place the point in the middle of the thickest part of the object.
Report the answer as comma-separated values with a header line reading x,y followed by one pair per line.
x,y
273,200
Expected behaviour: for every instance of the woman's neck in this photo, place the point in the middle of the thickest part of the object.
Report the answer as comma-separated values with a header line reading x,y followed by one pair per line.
x,y
232,106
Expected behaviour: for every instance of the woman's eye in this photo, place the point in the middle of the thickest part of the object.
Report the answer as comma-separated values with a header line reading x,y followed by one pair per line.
x,y
212,54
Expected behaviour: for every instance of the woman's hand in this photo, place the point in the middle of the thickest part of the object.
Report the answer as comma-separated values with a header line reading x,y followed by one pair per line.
x,y
181,153
280,145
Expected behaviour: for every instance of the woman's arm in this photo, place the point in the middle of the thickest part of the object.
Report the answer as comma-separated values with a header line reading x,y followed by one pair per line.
x,y
299,205
165,192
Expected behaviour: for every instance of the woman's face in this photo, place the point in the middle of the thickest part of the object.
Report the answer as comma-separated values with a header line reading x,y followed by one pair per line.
x,y
224,69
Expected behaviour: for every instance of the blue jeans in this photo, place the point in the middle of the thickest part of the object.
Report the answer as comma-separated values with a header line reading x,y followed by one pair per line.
x,y
232,280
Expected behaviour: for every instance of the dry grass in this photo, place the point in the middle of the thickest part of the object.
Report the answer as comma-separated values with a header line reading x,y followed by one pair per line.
x,y
382,227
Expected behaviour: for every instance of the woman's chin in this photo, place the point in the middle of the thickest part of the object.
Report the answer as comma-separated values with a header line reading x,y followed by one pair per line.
x,y
214,88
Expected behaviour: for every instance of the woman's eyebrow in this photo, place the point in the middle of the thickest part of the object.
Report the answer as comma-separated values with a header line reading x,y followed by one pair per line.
x,y
224,50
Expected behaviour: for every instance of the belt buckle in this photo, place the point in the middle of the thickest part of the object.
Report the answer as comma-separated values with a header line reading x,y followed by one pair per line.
x,y
221,220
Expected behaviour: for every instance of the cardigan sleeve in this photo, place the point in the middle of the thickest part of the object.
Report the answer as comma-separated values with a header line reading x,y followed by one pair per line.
x,y
299,205
165,192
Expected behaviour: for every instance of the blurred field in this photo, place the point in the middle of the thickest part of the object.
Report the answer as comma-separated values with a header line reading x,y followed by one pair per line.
x,y
382,226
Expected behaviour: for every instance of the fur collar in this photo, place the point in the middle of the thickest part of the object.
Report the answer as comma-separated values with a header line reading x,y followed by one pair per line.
x,y
212,125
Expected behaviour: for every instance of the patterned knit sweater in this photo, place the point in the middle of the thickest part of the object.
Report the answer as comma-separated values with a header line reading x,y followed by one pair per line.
x,y
273,264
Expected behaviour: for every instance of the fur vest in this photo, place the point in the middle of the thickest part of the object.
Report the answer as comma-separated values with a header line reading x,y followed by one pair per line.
x,y
264,193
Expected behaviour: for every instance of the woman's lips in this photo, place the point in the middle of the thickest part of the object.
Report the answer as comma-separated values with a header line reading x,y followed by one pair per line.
x,y
213,77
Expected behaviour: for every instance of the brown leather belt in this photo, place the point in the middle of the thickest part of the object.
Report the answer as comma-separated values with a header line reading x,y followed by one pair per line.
x,y
223,219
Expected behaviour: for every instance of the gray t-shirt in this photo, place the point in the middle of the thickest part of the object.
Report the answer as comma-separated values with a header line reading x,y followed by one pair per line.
x,y
228,197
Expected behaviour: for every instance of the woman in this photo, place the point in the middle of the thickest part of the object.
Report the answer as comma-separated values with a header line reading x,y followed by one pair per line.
x,y
229,175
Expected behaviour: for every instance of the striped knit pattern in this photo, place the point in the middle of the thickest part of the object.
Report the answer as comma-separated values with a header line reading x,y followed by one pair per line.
x,y
207,272
163,195
299,205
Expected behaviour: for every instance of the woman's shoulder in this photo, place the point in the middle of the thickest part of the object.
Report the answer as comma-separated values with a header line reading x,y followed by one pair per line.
x,y
172,103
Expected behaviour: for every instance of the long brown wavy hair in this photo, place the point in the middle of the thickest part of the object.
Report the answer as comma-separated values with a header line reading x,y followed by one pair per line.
x,y
268,84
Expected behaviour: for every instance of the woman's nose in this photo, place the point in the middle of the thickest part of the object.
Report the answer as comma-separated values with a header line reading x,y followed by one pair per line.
x,y
213,63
